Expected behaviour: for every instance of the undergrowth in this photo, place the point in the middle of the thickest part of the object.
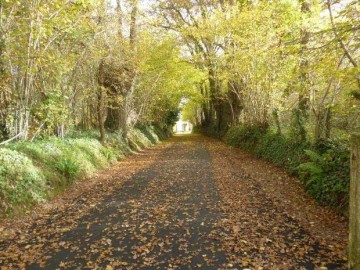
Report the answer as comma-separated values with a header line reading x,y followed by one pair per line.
x,y
323,167
31,172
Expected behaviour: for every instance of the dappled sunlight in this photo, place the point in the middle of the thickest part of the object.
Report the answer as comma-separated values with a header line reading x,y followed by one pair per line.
x,y
136,86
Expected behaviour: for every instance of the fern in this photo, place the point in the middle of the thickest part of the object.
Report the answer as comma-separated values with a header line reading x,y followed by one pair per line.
x,y
313,156
311,168
68,167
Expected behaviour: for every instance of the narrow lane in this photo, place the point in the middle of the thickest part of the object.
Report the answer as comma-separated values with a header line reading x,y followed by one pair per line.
x,y
164,217
188,207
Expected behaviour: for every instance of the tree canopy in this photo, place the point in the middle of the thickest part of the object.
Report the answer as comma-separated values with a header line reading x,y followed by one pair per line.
x,y
288,65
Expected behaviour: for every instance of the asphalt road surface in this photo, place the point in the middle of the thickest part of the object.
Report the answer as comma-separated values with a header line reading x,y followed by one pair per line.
x,y
189,203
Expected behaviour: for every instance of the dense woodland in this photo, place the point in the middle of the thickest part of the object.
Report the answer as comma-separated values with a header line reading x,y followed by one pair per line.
x,y
83,65
280,78
112,65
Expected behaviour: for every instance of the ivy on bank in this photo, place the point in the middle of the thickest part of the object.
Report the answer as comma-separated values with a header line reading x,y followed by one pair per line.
x,y
323,167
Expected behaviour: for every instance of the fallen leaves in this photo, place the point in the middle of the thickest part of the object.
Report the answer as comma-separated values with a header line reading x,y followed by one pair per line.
x,y
265,232
179,208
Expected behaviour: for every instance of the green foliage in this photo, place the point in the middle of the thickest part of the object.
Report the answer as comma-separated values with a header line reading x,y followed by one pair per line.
x,y
64,160
20,181
118,145
250,55
138,139
91,150
282,151
169,78
297,128
108,154
191,110
52,111
356,94
172,117
209,129
162,132
149,133
323,167
244,137
68,167
32,171
326,173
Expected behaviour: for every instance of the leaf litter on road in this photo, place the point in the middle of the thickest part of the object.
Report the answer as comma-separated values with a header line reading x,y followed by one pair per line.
x,y
192,203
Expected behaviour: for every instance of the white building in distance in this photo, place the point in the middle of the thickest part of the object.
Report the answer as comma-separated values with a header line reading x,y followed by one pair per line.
x,y
183,127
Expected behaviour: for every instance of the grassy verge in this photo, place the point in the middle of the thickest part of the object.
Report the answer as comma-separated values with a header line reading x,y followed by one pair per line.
x,y
323,167
32,172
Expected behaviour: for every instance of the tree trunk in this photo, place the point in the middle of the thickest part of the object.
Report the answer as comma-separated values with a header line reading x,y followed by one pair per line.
x,y
323,124
276,117
219,115
113,114
205,106
354,248
327,124
127,92
123,117
304,77
215,102
133,26
101,113
120,15
4,99
235,98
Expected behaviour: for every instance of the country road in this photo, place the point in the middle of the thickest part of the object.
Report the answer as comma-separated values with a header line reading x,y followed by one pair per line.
x,y
188,203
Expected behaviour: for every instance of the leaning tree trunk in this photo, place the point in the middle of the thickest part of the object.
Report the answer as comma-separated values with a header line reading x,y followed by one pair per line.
x,y
354,250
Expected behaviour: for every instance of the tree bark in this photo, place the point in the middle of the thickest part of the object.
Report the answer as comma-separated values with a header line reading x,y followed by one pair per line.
x,y
236,100
354,248
123,116
101,113
127,92
112,121
215,99
4,99
323,124
133,26
304,78
120,18
276,117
